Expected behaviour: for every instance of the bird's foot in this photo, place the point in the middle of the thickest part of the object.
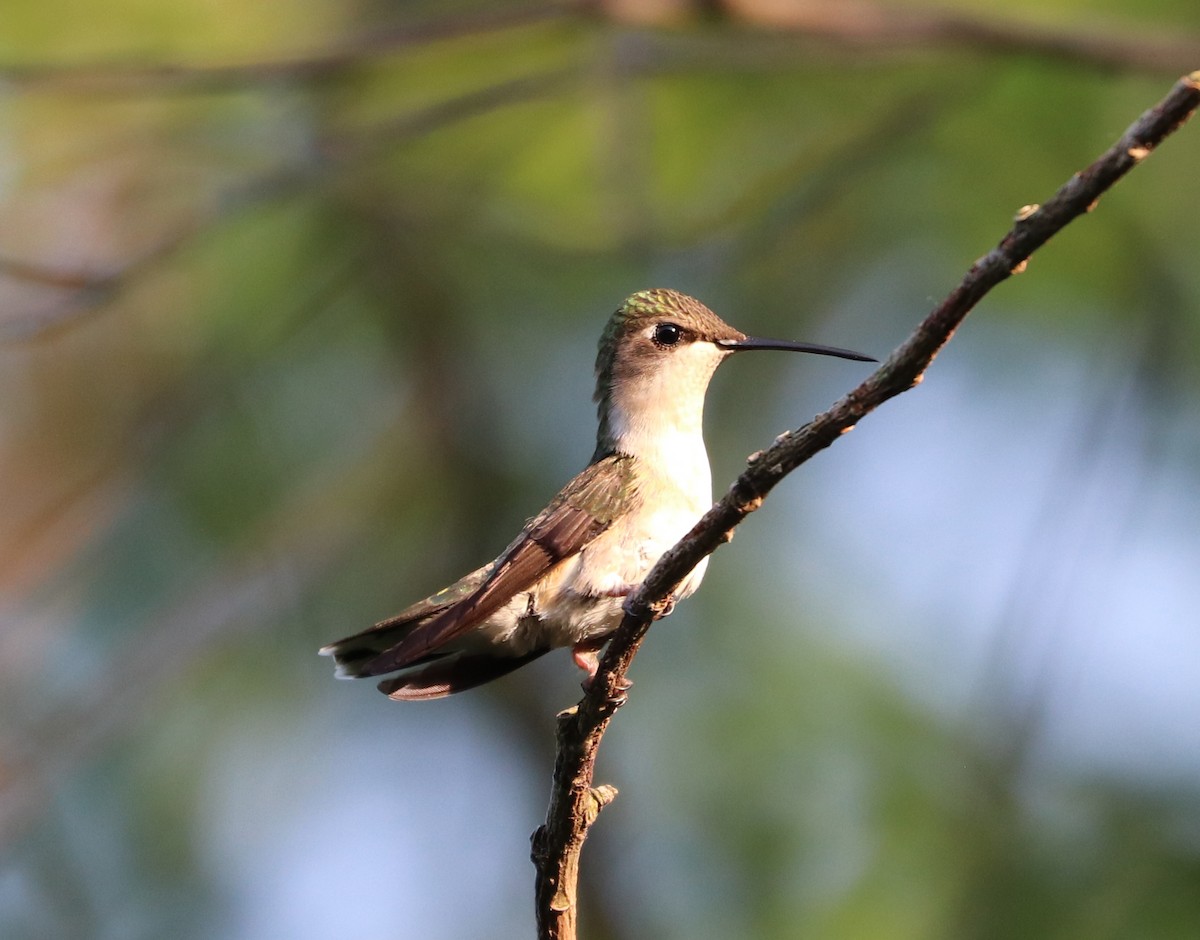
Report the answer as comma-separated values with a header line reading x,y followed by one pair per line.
x,y
664,607
621,692
587,657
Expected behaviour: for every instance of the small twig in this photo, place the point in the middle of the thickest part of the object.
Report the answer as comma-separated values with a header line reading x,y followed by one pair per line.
x,y
574,802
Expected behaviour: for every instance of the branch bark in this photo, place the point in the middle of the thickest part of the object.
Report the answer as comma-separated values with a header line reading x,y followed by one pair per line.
x,y
574,802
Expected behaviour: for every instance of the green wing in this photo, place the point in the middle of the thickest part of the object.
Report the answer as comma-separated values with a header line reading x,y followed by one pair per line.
x,y
584,508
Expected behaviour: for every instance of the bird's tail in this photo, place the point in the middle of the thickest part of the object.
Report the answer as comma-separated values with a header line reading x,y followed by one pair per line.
x,y
454,673
351,654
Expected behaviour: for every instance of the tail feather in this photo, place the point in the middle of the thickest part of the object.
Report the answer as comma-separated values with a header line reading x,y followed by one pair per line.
x,y
452,674
351,654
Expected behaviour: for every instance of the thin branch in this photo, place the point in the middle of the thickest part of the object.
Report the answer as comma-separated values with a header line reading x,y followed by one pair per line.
x,y
866,25
82,293
574,802
116,78
861,25
429,118
261,582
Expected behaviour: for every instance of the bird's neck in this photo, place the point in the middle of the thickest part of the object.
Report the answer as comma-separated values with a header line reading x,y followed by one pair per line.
x,y
664,431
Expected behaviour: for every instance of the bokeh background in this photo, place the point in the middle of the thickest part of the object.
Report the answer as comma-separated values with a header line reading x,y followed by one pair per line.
x,y
298,308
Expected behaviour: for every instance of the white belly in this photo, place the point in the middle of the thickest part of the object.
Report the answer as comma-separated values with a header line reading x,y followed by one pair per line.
x,y
582,597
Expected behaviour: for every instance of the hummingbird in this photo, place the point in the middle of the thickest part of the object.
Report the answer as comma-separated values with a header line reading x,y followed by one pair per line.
x,y
563,581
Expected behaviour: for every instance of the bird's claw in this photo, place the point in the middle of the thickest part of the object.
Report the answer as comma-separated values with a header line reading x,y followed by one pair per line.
x,y
664,607
621,687
587,657
620,693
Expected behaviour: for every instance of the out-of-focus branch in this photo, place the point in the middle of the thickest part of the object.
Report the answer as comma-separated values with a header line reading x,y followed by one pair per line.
x,y
107,78
862,24
574,801
890,27
251,589
856,24
80,292
430,118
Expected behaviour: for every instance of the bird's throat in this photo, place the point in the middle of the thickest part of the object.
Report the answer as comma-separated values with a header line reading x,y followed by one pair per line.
x,y
665,434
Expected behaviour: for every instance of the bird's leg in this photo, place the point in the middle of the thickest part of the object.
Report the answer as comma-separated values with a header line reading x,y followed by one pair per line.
x,y
660,610
586,656
586,652
622,589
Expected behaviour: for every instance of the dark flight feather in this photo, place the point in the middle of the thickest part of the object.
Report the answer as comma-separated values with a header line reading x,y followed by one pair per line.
x,y
452,674
350,653
584,508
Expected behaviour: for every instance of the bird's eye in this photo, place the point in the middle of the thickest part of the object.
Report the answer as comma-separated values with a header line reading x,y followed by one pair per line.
x,y
667,334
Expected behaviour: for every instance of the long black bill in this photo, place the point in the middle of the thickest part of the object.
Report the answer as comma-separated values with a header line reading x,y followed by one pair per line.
x,y
757,342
